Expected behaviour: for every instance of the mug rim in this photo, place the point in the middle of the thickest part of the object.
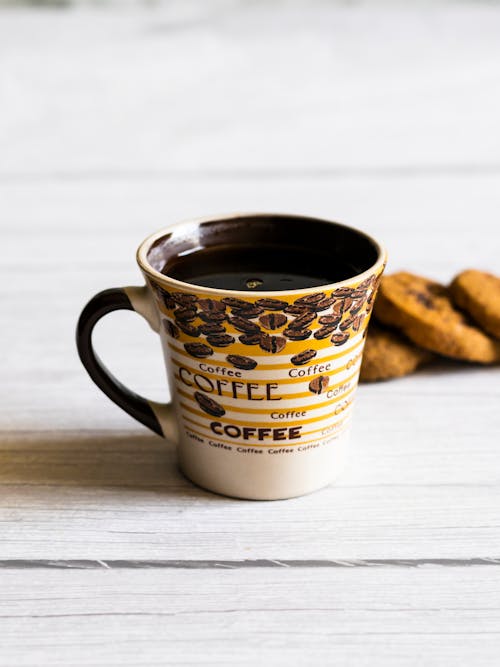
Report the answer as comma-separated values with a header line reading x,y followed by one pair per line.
x,y
147,243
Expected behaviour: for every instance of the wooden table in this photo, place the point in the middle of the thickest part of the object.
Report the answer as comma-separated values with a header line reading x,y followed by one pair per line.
x,y
114,124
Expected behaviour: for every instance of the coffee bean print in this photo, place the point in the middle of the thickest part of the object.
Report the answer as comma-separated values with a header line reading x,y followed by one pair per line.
x,y
292,309
273,321
189,329
185,314
244,325
249,313
346,324
374,291
366,283
220,340
356,306
273,344
171,328
339,338
212,306
238,361
297,334
324,331
310,299
342,292
250,339
166,297
348,302
212,328
184,299
271,304
330,319
198,350
324,304
208,405
356,325
319,384
212,317
303,357
338,307
302,321
236,303
359,294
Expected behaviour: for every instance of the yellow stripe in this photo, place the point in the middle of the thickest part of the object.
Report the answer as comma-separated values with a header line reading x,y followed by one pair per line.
x,y
288,298
304,394
249,443
278,381
344,419
264,411
248,351
274,367
226,420
306,433
292,347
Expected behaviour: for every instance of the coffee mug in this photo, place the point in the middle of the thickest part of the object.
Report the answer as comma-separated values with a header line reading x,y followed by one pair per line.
x,y
262,320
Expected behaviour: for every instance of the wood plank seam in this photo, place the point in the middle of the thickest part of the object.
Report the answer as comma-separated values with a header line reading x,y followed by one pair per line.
x,y
89,564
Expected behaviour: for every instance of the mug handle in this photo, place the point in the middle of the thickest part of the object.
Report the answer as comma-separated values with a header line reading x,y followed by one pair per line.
x,y
156,416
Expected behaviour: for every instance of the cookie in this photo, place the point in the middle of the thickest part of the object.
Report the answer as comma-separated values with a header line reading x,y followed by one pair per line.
x,y
424,312
478,293
388,355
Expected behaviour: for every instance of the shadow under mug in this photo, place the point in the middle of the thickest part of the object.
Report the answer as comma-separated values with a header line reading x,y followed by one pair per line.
x,y
262,382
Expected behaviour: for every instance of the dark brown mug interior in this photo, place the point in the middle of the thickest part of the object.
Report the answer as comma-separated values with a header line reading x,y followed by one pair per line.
x,y
289,252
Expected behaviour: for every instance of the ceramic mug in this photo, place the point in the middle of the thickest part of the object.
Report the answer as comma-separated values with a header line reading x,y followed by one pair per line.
x,y
262,382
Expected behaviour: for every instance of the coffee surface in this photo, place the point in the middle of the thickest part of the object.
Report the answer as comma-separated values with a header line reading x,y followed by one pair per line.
x,y
258,268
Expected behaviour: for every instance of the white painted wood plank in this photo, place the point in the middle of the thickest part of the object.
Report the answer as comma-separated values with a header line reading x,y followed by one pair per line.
x,y
119,495
283,85
432,616
76,238
74,222
81,480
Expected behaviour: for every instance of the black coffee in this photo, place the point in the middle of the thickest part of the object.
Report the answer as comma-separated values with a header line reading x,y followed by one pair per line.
x,y
262,268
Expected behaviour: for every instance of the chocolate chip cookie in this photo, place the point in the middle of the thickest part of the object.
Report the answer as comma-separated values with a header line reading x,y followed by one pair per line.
x,y
478,293
424,312
388,354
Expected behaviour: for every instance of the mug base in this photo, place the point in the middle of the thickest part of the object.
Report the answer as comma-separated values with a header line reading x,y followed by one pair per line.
x,y
235,496
280,478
